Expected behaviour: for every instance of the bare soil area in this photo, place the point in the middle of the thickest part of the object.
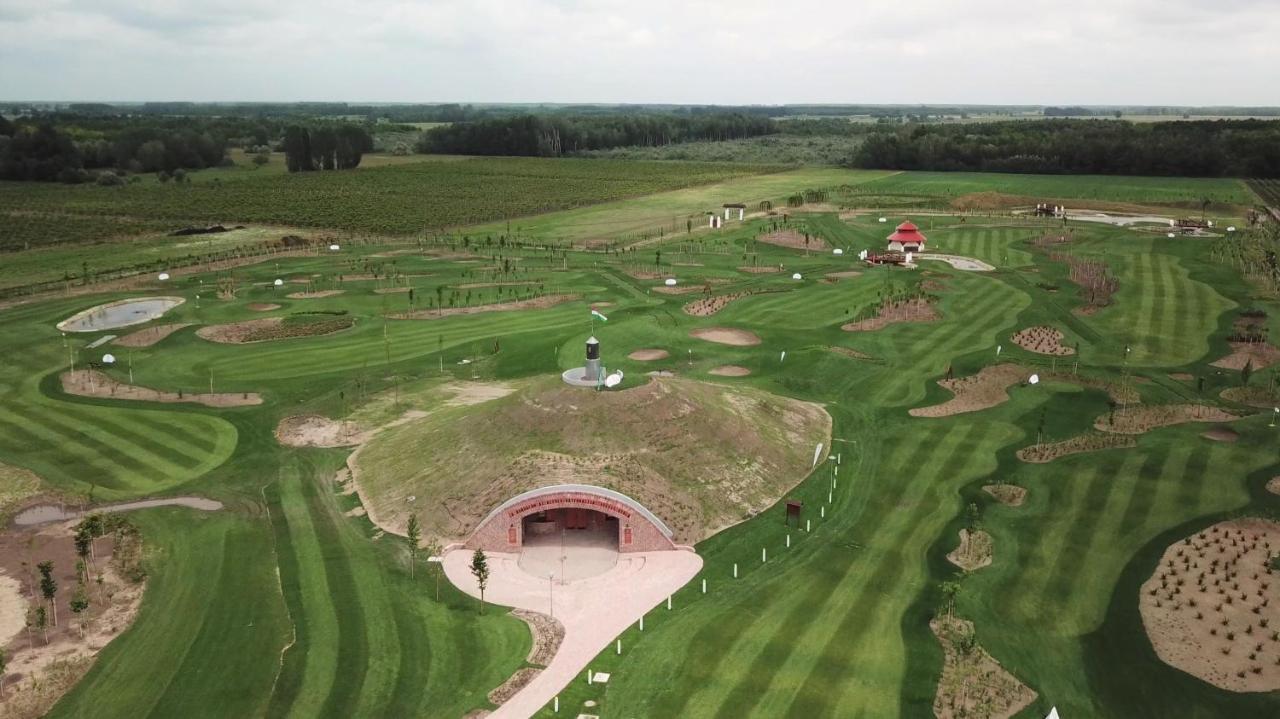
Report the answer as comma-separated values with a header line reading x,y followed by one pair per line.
x,y
730,370
678,290
760,269
1260,354
843,275
312,430
313,295
1144,418
973,684
17,485
912,310
1088,442
648,355
274,328
708,306
536,303
149,336
988,388
92,383
1273,485
1254,396
1043,340
262,306
1007,494
726,336
1221,434
974,551
1212,607
794,240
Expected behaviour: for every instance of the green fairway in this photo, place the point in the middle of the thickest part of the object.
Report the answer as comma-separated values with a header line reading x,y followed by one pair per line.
x,y
1139,190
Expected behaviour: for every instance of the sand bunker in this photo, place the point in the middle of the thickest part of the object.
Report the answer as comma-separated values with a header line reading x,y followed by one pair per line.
x,y
275,328
1273,485
1260,354
968,264
536,303
1137,420
983,390
1010,495
312,430
648,355
1088,442
913,310
313,295
973,684
92,383
1222,434
150,335
1212,608
794,240
730,370
262,306
726,336
974,551
13,609
1042,340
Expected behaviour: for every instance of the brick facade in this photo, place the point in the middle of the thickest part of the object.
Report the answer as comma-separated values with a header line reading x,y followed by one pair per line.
x,y
504,530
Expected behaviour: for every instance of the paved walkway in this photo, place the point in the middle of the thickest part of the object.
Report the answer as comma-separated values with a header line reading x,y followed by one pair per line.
x,y
968,264
593,611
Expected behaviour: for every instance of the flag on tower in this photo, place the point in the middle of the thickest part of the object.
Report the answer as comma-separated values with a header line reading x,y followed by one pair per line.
x,y
594,313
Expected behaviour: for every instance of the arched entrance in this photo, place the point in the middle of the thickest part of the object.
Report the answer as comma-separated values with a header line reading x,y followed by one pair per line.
x,y
566,510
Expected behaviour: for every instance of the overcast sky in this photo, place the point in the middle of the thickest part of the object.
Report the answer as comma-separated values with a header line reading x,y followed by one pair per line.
x,y
1172,52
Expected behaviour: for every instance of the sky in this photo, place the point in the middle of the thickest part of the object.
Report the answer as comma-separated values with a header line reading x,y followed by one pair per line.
x,y
1097,52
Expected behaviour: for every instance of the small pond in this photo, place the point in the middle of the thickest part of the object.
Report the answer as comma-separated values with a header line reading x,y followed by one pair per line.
x,y
119,314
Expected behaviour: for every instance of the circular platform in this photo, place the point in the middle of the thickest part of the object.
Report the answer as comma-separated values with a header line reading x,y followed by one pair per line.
x,y
577,377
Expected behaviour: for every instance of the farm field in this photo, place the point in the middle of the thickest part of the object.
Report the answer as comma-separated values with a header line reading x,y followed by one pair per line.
x,y
291,602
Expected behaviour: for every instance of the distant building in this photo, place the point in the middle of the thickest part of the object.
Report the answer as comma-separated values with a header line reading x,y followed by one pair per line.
x,y
906,238
731,206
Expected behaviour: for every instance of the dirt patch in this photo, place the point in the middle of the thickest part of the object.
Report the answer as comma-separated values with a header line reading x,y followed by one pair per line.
x,y
1007,494
392,290
1088,442
912,310
312,430
973,684
1212,606
313,295
92,383
1043,340
760,270
855,354
1182,376
637,274
17,485
726,336
547,635
679,290
1254,396
1137,420
43,666
986,389
708,306
535,303
730,370
262,306
475,285
843,275
275,328
794,240
648,355
974,551
1273,485
1260,354
1222,434
149,336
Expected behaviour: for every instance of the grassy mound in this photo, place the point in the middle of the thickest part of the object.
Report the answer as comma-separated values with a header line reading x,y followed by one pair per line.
x,y
701,456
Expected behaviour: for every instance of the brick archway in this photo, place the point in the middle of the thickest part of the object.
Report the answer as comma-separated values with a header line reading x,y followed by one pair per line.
x,y
639,530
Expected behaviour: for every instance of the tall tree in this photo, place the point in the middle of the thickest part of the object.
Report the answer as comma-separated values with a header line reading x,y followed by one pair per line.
x,y
49,587
79,603
480,570
413,535
434,550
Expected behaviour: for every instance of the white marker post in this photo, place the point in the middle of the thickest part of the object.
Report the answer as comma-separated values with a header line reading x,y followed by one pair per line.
x,y
788,541
764,554
668,602
619,647
704,586
806,525
555,705
824,512
735,570
588,675
642,622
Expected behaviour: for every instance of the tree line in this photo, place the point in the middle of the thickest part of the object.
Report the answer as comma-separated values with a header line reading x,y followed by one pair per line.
x,y
325,147
553,136
1218,148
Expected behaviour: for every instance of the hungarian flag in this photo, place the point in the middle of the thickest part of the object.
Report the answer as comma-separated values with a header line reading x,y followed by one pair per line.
x,y
594,313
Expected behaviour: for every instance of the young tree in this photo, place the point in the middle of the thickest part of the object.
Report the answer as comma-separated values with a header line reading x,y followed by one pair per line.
x,y
4,666
480,570
42,623
48,587
434,549
79,603
413,534
950,590
83,541
1246,372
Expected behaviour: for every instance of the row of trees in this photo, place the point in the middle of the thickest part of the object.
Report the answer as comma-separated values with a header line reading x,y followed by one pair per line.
x,y
325,147
45,153
1221,148
554,135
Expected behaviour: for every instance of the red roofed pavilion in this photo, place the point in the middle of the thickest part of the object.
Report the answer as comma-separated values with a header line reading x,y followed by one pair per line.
x,y
906,238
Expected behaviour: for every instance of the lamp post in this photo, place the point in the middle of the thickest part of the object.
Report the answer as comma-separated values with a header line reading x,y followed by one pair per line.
x,y
551,593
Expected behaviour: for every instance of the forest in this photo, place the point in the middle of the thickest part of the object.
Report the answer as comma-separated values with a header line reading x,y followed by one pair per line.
x,y
1219,148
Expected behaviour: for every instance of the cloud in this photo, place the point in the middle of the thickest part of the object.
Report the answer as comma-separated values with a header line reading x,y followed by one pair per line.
x,y
914,51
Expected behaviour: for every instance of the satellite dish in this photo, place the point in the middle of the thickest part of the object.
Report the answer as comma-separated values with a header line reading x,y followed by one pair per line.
x,y
884,219
796,276
279,282
613,380
837,251
1034,379
671,282
163,276
108,358
334,248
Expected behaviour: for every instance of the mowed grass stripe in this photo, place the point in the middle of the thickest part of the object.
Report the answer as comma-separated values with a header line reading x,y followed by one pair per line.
x,y
197,440
49,430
